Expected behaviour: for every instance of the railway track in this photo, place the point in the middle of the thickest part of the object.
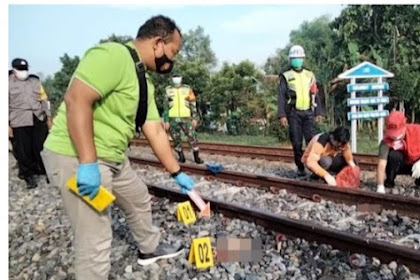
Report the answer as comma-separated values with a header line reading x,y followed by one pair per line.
x,y
365,201
365,161
384,251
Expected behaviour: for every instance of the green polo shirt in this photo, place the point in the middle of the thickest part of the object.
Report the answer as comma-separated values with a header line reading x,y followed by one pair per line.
x,y
109,69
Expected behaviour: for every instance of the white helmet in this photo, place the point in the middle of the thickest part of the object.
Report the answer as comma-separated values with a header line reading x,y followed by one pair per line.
x,y
296,51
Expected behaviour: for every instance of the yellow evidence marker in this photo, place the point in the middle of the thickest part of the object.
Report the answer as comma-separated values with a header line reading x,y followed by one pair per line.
x,y
185,213
101,201
201,253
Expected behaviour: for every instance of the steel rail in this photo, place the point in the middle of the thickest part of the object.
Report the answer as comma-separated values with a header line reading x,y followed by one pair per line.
x,y
365,161
384,251
404,205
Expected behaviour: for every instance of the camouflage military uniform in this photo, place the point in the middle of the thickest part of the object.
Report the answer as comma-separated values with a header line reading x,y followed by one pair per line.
x,y
180,111
184,124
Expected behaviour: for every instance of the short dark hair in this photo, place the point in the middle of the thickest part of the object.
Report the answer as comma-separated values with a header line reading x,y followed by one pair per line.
x,y
158,26
341,135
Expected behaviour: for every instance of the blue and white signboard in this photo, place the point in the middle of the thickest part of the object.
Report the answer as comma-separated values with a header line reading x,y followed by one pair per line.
x,y
367,115
360,101
366,70
367,87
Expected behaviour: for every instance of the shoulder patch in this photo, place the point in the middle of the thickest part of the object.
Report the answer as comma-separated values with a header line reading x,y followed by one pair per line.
x,y
33,76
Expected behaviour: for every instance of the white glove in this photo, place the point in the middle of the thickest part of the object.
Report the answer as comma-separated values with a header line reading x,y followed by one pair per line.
x,y
380,189
416,170
330,180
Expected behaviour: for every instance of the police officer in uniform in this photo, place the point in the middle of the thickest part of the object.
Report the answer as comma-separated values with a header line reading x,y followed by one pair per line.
x,y
181,114
29,120
298,104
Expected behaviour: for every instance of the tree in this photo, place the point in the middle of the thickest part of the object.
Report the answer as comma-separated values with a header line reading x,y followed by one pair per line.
x,y
56,86
196,47
116,38
387,35
231,90
194,63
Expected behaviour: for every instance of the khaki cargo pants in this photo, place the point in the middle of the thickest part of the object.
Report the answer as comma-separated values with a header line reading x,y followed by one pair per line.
x,y
92,230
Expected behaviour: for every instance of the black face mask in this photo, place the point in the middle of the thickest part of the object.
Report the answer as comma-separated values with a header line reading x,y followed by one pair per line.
x,y
160,61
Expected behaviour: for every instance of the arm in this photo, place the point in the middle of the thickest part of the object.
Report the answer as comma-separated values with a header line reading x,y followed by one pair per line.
x,y
79,100
45,106
282,97
165,111
314,90
159,143
313,159
165,108
193,105
380,171
318,108
383,159
348,156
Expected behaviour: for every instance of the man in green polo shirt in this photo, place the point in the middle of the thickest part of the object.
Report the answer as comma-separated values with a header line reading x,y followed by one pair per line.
x,y
89,138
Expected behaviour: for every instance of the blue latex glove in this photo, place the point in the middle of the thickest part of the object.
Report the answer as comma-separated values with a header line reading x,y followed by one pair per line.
x,y
88,179
184,181
214,168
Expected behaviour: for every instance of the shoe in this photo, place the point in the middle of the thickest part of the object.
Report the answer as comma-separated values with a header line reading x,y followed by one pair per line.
x,y
163,251
301,173
389,185
181,157
380,189
31,182
197,159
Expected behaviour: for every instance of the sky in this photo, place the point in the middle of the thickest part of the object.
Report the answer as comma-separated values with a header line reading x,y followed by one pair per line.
x,y
43,33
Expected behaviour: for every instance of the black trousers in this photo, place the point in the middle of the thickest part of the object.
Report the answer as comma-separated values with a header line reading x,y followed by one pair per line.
x,y
27,144
301,125
333,164
396,165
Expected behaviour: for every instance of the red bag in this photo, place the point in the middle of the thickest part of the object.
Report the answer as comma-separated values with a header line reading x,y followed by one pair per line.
x,y
348,178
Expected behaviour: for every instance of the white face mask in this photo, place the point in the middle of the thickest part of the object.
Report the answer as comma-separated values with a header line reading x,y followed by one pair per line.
x,y
21,74
177,80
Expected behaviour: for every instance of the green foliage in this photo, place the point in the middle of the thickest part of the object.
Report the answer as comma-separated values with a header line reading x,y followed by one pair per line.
x,y
244,97
232,89
387,35
117,39
56,86
196,47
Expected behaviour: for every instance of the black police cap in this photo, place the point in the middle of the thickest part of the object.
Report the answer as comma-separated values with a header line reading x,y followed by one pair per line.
x,y
20,64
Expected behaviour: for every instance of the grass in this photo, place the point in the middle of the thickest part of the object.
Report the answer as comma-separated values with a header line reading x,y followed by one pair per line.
x,y
365,143
239,139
